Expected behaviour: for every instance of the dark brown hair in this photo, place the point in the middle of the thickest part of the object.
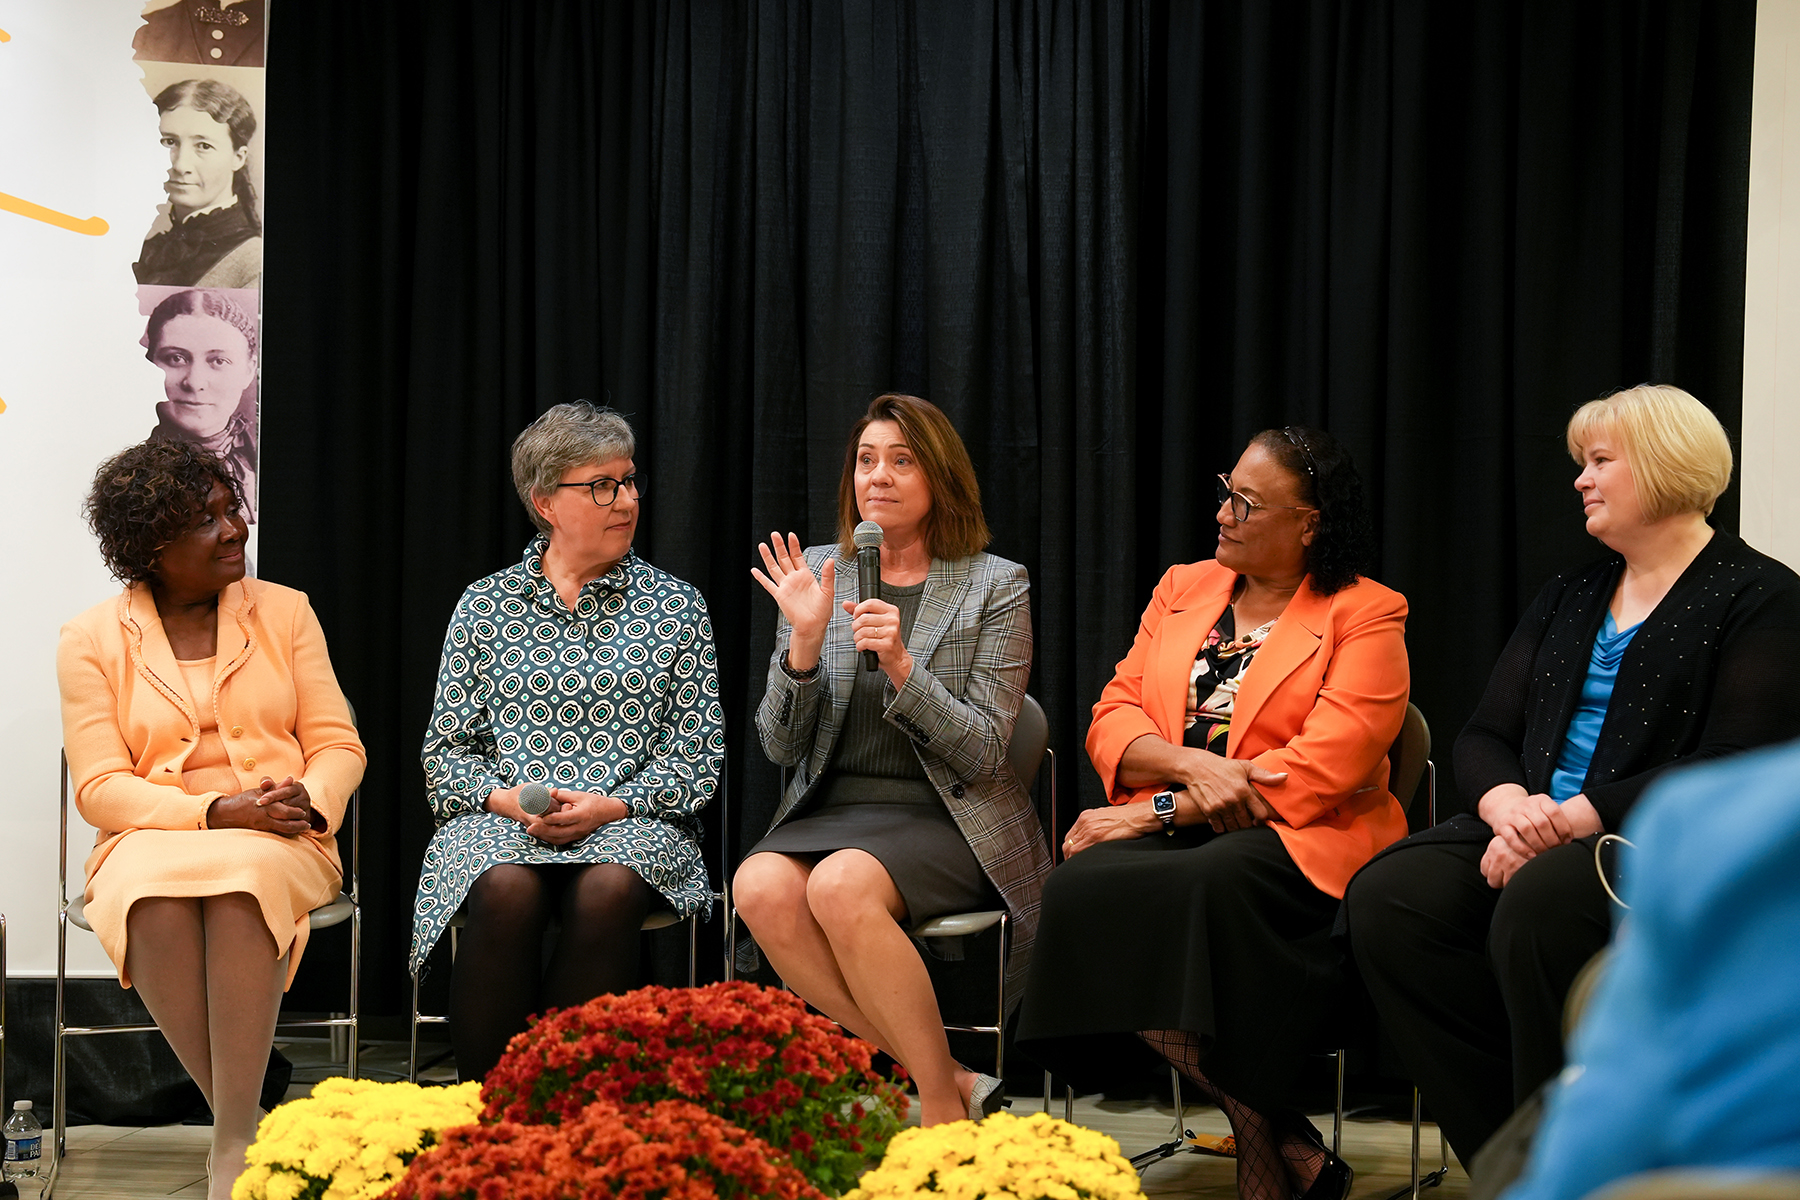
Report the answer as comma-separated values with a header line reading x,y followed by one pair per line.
x,y
954,528
146,496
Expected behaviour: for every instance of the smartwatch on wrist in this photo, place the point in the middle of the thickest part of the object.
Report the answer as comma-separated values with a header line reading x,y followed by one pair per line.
x,y
1163,805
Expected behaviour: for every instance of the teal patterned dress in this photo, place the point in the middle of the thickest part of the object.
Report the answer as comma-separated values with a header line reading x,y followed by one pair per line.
x,y
620,697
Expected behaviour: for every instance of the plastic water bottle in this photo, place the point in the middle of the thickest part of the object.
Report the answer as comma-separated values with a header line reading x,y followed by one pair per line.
x,y
24,1142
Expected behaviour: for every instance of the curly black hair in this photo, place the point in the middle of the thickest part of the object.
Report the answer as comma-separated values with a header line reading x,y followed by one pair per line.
x,y
1344,546
146,496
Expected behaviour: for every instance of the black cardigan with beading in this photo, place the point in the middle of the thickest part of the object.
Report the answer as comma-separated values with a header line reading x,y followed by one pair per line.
x,y
1711,671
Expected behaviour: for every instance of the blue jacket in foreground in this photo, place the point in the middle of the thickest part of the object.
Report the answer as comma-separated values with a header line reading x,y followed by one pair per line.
x,y
1690,1053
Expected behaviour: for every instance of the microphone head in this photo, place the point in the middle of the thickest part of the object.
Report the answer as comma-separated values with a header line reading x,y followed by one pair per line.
x,y
534,799
868,536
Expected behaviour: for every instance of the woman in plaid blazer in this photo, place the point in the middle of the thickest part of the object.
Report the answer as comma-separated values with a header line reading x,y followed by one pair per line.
x,y
902,805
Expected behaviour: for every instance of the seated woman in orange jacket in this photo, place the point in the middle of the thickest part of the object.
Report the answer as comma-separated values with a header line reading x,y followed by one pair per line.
x,y
1243,744
210,745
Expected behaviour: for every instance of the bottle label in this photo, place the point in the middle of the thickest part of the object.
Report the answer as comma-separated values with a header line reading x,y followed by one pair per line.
x,y
23,1149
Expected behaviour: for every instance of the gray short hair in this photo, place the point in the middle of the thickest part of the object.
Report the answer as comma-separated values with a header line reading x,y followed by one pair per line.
x,y
562,437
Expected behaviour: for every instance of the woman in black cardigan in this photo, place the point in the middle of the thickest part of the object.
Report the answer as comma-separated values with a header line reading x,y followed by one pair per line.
x,y
1676,648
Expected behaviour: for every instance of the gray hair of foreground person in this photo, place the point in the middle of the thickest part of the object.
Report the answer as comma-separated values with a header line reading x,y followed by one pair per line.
x,y
565,436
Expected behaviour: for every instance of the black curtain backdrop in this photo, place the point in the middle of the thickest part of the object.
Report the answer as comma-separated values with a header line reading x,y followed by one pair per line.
x,y
1111,239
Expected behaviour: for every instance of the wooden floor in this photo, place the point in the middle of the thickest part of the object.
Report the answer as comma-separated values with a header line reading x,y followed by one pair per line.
x,y
112,1163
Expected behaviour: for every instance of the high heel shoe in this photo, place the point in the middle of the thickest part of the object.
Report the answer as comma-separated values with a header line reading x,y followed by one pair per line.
x,y
1333,1180
986,1098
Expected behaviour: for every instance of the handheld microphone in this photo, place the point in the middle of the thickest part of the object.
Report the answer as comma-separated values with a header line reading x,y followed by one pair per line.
x,y
868,538
534,800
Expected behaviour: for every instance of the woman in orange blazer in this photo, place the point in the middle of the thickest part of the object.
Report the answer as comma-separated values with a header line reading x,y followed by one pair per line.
x,y
209,744
1243,746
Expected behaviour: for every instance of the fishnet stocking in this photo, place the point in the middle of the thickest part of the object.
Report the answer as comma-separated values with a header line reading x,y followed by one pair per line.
x,y
1271,1164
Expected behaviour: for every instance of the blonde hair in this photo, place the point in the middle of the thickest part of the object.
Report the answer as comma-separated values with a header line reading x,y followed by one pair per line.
x,y
1680,457
954,528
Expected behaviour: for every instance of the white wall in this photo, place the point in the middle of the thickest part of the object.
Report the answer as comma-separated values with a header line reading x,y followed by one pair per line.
x,y
1771,430
77,135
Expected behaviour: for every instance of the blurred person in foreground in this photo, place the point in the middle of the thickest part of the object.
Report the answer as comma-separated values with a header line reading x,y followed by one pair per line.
x,y
1689,1054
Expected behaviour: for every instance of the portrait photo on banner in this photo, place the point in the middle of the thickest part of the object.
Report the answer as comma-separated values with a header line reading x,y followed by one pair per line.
x,y
205,342
209,231
224,33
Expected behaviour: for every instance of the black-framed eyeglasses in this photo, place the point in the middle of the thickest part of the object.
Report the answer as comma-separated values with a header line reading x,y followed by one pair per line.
x,y
605,490
1242,506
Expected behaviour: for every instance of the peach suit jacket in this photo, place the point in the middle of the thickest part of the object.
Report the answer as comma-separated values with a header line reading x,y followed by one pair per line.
x,y
128,727
1323,700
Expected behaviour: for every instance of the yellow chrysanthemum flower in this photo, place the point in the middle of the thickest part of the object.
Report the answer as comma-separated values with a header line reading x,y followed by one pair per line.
x,y
355,1136
1002,1158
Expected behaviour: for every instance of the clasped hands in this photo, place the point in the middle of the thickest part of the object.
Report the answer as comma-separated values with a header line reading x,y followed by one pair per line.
x,y
805,600
284,808
572,817
1525,825
1220,793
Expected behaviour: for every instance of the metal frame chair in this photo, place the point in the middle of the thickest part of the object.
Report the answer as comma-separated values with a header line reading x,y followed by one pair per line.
x,y
661,918
1026,752
347,906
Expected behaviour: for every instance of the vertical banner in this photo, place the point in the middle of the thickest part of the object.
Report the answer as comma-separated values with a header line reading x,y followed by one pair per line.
x,y
130,299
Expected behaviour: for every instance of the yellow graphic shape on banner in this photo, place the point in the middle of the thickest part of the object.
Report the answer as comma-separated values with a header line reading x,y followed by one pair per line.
x,y
5,37
92,226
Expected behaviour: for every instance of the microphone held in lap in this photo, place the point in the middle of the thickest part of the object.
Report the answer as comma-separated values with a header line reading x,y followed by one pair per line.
x,y
534,799
868,537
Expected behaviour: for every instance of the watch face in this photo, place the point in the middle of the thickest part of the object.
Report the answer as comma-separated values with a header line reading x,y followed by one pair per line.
x,y
1163,803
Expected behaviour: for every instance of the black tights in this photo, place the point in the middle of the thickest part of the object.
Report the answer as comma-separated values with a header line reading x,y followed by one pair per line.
x,y
1276,1159
495,985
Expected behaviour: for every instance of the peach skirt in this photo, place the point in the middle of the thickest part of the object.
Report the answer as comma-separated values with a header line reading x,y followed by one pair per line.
x,y
288,877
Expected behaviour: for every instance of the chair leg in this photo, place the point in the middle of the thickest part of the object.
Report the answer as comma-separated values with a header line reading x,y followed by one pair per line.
x,y
1000,990
1180,1113
1415,1145
1046,1093
59,1083
693,924
1337,1114
1069,1103
412,1054
355,986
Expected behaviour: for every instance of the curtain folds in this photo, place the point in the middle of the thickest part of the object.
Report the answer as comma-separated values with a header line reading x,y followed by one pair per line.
x,y
1112,238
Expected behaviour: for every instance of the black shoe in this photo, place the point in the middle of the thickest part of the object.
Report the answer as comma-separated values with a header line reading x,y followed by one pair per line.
x,y
1333,1180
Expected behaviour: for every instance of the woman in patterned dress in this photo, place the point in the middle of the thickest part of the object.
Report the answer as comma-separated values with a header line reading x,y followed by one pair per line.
x,y
587,670
903,806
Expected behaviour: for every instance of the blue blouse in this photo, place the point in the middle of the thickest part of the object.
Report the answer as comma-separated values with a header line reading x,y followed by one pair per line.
x,y
1590,711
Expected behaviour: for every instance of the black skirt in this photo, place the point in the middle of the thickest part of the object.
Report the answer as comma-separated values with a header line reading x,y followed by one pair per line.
x,y
904,824
1220,935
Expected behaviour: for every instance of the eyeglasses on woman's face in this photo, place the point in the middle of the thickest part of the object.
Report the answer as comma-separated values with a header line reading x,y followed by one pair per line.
x,y
605,489
1242,506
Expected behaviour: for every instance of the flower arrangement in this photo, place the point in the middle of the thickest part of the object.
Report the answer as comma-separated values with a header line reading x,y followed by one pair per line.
x,y
349,1140
1019,1158
751,1054
670,1150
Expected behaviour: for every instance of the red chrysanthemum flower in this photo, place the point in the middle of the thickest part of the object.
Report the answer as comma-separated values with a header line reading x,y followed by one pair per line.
x,y
750,1054
671,1150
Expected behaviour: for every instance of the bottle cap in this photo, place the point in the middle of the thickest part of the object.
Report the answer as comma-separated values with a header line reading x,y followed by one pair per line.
x,y
19,1105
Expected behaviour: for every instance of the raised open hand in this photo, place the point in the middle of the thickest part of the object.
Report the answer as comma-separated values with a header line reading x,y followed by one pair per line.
x,y
804,599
